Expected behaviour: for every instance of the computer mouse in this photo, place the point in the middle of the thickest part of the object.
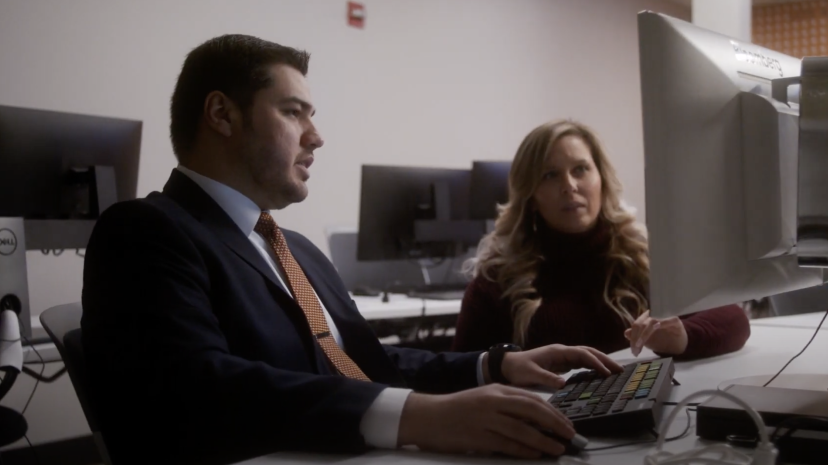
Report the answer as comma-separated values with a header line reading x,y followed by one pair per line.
x,y
366,291
572,446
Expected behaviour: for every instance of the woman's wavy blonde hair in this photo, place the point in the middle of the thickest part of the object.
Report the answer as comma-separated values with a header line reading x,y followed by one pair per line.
x,y
512,254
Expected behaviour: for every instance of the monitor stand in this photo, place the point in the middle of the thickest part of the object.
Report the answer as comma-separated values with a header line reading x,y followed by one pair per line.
x,y
808,382
14,281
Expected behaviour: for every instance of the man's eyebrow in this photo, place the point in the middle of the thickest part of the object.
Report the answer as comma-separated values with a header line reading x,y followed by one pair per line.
x,y
306,106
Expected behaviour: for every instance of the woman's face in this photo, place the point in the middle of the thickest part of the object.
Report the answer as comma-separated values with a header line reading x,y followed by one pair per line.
x,y
569,195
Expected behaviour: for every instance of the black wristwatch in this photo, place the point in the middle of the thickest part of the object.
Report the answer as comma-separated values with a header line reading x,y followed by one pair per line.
x,y
496,354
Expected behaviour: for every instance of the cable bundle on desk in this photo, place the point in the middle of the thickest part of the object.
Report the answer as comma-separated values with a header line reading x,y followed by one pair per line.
x,y
764,454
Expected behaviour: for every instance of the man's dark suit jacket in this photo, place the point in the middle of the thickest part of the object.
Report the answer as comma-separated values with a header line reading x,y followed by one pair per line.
x,y
198,355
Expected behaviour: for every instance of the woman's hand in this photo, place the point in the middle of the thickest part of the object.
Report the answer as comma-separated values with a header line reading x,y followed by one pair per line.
x,y
666,336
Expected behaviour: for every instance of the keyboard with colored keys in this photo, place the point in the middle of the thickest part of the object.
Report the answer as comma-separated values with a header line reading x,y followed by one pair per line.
x,y
622,402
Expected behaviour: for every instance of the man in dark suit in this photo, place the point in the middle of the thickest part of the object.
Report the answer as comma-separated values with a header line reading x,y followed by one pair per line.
x,y
213,336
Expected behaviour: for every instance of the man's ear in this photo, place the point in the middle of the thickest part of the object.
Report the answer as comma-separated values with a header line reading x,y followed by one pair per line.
x,y
220,112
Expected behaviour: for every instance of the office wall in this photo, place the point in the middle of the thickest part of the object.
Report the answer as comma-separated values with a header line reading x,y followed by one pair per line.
x,y
427,82
798,29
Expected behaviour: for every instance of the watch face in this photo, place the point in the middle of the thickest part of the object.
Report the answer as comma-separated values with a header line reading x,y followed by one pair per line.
x,y
506,347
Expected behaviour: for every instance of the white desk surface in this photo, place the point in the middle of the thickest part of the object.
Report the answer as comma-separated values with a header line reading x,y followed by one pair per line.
x,y
767,350
402,306
804,320
47,350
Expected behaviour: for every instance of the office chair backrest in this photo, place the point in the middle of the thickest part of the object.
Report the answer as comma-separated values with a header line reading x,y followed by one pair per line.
x,y
381,275
342,243
63,325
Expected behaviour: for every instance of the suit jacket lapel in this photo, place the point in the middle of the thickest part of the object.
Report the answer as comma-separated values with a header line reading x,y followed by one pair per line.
x,y
198,203
193,199
353,330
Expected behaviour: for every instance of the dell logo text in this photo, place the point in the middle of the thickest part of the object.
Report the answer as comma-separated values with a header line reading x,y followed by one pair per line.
x,y
8,242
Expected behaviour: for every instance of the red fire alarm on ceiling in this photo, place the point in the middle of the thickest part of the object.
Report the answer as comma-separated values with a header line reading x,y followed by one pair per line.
x,y
356,15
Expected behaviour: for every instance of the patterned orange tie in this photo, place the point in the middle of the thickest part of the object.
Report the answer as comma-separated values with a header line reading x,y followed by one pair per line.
x,y
307,300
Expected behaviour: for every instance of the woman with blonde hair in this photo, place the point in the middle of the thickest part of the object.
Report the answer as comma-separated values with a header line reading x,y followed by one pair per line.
x,y
568,264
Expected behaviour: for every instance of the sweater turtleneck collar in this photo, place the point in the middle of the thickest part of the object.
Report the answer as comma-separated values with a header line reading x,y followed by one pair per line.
x,y
587,247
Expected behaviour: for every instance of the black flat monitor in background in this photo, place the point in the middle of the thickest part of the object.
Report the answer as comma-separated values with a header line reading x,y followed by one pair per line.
x,y
414,213
489,188
59,171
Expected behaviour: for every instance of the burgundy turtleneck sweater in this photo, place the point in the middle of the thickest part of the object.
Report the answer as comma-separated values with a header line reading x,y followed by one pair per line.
x,y
570,283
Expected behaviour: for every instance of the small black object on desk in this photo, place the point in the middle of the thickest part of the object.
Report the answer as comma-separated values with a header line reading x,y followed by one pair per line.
x,y
12,426
366,291
370,292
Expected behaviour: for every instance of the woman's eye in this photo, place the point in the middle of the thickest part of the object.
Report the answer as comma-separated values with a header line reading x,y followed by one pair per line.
x,y
549,175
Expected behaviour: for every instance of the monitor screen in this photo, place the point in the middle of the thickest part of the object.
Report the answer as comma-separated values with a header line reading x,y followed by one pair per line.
x,y
489,188
57,168
393,198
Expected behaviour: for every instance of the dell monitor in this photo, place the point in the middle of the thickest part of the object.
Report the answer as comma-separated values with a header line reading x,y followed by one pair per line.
x,y
489,188
58,171
720,148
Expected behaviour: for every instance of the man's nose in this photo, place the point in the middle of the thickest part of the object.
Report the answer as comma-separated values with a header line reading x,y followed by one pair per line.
x,y
312,140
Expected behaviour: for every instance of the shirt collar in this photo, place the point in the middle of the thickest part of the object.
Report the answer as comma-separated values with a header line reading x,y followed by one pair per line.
x,y
243,211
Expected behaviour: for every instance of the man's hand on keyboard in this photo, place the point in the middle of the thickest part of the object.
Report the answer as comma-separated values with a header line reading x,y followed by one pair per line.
x,y
537,366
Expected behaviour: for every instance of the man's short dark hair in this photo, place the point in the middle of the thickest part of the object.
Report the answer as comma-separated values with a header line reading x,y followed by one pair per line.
x,y
236,65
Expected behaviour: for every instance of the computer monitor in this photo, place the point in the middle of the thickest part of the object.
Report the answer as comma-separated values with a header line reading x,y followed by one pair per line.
x,y
414,213
489,188
58,171
720,168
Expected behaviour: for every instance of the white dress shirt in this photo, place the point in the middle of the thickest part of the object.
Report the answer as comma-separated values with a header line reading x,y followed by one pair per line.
x,y
381,422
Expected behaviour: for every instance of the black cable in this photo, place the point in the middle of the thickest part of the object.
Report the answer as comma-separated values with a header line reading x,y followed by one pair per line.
x,y
37,381
38,362
647,441
800,352
45,379
34,452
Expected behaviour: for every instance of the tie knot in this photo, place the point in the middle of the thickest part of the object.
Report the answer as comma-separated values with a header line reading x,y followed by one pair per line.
x,y
266,226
